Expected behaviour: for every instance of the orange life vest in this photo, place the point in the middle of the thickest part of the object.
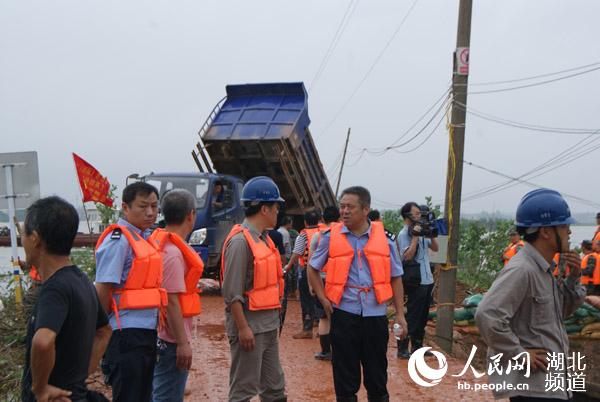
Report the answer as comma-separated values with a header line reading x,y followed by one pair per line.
x,y
341,254
556,260
589,279
189,302
268,284
596,237
310,232
142,288
512,250
34,274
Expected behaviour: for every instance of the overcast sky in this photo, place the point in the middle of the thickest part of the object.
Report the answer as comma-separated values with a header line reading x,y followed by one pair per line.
x,y
127,85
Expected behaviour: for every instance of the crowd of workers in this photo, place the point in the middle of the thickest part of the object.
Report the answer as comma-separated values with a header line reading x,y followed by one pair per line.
x,y
137,319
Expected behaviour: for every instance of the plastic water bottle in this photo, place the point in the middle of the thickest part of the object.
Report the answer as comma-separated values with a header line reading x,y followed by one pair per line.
x,y
397,331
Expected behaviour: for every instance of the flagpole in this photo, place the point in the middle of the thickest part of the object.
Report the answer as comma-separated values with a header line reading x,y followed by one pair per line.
x,y
83,203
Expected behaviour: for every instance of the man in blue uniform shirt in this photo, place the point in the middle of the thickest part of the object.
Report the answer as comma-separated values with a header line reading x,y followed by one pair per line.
x,y
131,353
359,323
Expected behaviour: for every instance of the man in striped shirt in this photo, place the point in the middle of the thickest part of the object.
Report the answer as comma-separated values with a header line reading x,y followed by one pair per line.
x,y
300,253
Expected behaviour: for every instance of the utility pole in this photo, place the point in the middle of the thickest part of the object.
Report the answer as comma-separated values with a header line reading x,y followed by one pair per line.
x,y
337,187
447,290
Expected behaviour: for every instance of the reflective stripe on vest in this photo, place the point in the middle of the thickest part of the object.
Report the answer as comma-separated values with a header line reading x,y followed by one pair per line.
x,y
142,288
341,254
189,302
268,285
310,232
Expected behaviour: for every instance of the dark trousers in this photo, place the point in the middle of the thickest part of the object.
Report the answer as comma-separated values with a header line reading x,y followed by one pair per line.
x,y
356,341
130,357
307,301
417,309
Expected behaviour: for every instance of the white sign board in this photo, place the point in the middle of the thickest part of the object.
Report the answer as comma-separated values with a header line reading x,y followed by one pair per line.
x,y
462,60
26,178
439,257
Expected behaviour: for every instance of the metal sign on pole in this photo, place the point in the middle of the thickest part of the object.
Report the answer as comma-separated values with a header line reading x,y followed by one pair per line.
x,y
20,188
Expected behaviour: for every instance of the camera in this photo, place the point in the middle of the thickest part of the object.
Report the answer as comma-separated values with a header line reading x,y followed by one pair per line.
x,y
427,223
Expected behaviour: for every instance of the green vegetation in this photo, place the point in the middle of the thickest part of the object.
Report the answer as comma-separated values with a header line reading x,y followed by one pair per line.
x,y
480,251
108,214
13,327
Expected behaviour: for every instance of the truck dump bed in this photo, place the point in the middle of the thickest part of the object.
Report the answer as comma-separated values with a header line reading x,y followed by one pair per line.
x,y
262,130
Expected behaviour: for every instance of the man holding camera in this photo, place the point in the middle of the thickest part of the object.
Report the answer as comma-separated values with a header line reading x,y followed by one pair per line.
x,y
414,240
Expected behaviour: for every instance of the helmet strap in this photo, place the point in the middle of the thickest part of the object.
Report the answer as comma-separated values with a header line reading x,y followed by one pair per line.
x,y
558,240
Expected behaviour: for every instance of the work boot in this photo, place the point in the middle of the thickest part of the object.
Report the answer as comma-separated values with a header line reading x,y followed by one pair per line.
x,y
323,356
306,332
418,344
403,352
346,398
385,398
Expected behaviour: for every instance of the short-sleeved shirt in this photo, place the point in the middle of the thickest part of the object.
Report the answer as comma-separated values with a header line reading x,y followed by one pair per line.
x,y
354,300
113,262
174,270
277,240
300,244
314,242
239,279
287,241
422,255
68,305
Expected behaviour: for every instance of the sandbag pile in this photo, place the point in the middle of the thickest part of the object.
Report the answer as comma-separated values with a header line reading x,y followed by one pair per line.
x,y
585,321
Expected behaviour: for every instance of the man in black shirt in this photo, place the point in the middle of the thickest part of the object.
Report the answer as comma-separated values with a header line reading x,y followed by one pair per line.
x,y
68,330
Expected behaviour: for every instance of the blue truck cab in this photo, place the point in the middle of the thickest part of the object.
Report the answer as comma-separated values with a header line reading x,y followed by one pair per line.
x,y
218,208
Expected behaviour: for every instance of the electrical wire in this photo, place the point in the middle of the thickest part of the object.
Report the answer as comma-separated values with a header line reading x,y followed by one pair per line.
x,y
535,84
560,157
571,196
533,76
525,126
394,145
334,41
371,68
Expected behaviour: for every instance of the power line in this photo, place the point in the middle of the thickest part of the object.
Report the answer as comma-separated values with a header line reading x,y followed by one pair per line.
x,y
535,84
395,145
424,141
533,76
560,157
375,62
334,41
576,198
525,126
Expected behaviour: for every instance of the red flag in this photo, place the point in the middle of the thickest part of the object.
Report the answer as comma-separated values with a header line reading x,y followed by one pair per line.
x,y
94,186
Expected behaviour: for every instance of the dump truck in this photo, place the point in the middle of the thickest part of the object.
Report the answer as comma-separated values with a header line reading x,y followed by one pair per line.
x,y
255,130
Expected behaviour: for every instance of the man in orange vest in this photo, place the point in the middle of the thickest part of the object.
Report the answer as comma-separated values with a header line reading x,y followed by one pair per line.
x,y
300,253
128,275
331,214
589,262
597,233
182,269
363,274
515,245
252,289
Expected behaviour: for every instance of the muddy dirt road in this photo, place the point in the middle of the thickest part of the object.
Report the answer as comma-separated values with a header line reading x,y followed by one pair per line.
x,y
307,379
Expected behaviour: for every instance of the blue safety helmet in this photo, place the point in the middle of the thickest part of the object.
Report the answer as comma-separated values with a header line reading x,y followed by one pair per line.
x,y
543,207
260,189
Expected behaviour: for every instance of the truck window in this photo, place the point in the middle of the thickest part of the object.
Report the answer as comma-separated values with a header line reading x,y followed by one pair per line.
x,y
195,185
